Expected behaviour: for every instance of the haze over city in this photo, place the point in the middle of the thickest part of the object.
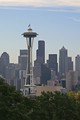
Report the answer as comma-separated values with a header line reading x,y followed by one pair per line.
x,y
56,22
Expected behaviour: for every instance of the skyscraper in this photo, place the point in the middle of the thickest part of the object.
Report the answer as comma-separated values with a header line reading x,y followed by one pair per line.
x,y
71,80
52,63
40,60
4,62
77,65
40,53
45,74
5,58
63,64
70,63
22,59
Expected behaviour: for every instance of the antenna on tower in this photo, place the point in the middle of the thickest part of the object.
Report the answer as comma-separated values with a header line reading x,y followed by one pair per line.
x,y
29,25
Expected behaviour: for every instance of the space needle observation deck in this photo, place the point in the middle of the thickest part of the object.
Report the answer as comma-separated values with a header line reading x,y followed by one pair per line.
x,y
29,87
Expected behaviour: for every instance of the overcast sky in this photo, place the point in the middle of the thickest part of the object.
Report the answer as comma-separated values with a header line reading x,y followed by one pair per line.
x,y
56,21
41,2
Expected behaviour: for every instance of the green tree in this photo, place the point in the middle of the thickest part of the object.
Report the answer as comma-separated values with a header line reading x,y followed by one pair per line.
x,y
55,106
64,106
48,106
13,105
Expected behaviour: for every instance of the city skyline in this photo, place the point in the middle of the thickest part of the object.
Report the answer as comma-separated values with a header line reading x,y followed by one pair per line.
x,y
58,24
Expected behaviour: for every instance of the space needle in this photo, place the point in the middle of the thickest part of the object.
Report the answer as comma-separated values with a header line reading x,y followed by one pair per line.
x,y
29,87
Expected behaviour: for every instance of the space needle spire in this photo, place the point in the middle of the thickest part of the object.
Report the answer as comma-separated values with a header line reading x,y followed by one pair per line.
x,y
29,87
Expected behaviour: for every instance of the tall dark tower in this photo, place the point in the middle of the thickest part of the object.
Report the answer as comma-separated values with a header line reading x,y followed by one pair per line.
x,y
22,59
4,62
52,62
5,58
29,85
41,51
63,55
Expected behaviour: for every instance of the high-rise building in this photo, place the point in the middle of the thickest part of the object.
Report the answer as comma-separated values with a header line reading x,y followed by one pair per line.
x,y
40,53
12,75
77,65
70,63
52,63
45,74
62,81
4,62
22,59
37,74
5,58
40,60
63,64
71,80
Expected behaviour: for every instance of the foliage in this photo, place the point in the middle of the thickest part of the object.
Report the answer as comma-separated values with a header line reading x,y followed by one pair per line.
x,y
13,105
48,106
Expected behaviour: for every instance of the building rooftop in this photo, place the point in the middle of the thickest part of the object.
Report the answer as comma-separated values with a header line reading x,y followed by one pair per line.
x,y
40,89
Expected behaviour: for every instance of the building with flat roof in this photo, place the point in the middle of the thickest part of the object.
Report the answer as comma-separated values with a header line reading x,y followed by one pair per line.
x,y
40,89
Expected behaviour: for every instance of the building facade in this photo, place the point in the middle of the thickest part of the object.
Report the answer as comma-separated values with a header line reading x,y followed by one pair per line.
x,y
40,53
52,63
63,64
77,65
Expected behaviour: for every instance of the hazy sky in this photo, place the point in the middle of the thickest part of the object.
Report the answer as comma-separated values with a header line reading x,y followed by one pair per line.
x,y
56,21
